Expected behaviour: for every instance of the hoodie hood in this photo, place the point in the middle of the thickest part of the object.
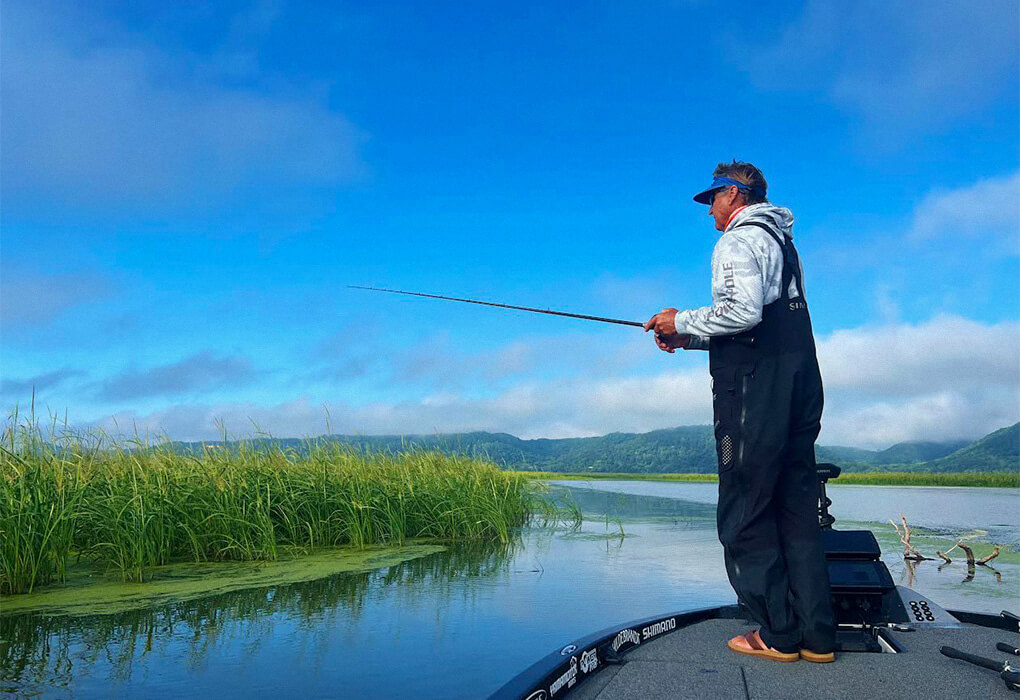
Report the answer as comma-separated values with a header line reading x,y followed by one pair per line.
x,y
779,218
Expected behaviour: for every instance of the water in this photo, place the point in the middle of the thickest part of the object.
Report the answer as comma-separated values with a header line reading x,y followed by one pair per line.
x,y
460,623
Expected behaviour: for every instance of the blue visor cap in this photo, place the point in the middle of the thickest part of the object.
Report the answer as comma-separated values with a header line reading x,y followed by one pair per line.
x,y
719,183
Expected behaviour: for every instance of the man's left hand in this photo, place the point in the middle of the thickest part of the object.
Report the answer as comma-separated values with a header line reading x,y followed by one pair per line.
x,y
663,323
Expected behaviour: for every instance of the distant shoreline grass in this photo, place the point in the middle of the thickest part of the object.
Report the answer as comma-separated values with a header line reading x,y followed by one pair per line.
x,y
128,510
983,479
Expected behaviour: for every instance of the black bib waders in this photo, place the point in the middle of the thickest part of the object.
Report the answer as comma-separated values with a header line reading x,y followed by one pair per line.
x,y
767,401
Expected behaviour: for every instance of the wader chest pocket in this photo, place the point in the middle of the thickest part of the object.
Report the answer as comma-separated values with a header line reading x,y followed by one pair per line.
x,y
729,386
725,406
726,397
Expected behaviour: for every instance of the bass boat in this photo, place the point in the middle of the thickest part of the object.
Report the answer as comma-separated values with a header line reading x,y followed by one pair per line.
x,y
891,642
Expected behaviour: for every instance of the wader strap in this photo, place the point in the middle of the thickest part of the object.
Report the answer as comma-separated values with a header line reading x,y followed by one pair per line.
x,y
791,262
768,229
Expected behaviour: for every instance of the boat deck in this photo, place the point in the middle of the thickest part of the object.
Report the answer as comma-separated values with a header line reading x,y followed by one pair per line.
x,y
693,662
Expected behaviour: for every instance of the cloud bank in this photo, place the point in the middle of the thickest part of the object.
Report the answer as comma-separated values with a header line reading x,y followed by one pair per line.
x,y
944,379
201,372
988,209
14,390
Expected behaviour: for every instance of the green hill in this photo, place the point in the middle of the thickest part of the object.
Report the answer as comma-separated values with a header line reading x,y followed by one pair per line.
x,y
845,455
998,451
901,453
909,452
688,449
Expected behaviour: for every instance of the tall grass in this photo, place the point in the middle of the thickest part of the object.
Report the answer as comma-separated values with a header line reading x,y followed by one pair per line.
x,y
986,479
133,507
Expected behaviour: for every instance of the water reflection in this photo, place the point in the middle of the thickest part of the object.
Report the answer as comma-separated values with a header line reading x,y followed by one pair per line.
x,y
40,651
597,502
458,623
912,567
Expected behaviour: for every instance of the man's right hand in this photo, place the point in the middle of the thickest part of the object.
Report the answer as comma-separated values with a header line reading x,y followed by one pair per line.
x,y
672,342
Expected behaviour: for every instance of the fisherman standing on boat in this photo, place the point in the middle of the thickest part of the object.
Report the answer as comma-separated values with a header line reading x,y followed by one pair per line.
x,y
767,403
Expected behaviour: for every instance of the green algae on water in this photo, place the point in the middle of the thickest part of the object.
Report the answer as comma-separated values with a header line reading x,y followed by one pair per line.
x,y
88,592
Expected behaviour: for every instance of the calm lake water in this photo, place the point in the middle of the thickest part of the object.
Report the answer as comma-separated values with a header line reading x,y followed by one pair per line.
x,y
462,622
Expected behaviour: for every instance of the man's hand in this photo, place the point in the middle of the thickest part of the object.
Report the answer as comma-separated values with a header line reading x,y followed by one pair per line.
x,y
666,337
670,343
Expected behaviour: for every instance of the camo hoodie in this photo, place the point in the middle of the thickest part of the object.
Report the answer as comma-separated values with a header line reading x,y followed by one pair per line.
x,y
747,271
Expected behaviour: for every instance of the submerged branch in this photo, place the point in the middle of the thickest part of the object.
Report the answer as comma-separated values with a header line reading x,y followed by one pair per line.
x,y
910,552
984,560
970,561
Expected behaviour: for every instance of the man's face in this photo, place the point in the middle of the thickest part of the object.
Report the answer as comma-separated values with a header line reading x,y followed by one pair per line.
x,y
724,203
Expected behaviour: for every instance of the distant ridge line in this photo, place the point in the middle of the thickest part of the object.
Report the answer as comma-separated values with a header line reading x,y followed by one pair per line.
x,y
685,449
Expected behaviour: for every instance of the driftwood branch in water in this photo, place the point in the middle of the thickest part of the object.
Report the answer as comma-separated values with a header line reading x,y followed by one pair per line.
x,y
970,561
909,570
984,560
909,551
945,556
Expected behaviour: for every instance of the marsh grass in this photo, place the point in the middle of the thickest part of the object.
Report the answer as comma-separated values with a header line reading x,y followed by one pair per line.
x,y
131,507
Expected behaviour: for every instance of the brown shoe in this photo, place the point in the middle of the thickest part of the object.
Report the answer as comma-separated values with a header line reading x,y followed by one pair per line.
x,y
813,657
752,645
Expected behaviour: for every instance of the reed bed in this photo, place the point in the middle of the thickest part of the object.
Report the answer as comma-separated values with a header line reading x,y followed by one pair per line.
x,y
129,509
985,479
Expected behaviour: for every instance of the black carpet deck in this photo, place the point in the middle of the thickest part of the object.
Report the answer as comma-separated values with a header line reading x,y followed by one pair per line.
x,y
694,663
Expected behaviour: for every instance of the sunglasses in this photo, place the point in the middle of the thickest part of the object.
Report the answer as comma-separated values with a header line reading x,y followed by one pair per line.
x,y
711,197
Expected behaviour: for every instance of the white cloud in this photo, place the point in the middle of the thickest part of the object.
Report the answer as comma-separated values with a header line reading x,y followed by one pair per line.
x,y
201,372
942,415
17,390
29,298
902,67
887,307
947,353
440,362
945,379
103,117
988,209
637,297
565,408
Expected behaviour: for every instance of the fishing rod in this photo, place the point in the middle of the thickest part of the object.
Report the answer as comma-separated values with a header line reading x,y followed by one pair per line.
x,y
505,306
1009,674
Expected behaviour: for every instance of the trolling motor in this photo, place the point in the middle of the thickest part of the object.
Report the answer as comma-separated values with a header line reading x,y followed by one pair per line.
x,y
864,596
1009,675
826,471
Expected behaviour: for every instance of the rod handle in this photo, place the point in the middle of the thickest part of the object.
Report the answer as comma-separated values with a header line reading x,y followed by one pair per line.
x,y
1002,646
972,659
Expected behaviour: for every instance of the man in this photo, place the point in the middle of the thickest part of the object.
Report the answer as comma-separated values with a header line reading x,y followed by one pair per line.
x,y
767,402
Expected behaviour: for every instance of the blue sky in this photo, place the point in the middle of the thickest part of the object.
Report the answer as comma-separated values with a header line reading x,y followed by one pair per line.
x,y
187,190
